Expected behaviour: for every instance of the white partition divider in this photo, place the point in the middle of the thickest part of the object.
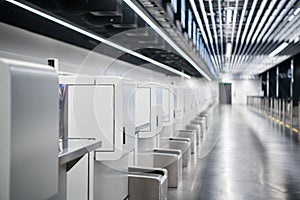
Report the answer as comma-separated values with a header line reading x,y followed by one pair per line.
x,y
29,131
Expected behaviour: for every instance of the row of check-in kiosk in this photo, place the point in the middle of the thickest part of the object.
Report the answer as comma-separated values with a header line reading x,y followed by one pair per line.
x,y
94,137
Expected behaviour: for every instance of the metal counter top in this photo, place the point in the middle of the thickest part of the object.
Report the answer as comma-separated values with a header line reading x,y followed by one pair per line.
x,y
76,148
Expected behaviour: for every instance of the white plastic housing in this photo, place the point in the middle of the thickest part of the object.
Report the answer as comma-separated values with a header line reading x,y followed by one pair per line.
x,y
29,131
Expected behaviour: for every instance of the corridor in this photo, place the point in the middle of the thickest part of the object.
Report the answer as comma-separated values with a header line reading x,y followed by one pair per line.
x,y
244,155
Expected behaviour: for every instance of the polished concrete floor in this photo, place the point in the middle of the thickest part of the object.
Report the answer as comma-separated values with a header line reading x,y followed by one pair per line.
x,y
243,156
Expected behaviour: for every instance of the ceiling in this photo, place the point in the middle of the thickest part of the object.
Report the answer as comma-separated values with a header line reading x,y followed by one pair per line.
x,y
237,36
243,33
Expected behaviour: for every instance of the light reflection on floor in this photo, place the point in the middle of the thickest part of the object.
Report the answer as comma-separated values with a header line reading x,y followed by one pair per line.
x,y
252,157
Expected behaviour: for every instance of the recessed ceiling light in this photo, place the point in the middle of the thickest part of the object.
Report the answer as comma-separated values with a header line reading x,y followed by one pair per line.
x,y
158,29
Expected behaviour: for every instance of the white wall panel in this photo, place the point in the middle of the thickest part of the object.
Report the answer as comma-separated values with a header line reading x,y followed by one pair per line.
x,y
243,88
24,45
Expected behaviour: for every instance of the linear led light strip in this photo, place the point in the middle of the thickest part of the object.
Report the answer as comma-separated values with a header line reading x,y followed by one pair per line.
x,y
253,26
233,29
239,32
221,29
292,32
265,17
295,34
257,17
278,49
238,61
234,18
278,25
267,25
202,7
283,26
268,30
277,21
228,20
215,33
286,30
271,19
194,8
249,18
86,33
215,30
136,9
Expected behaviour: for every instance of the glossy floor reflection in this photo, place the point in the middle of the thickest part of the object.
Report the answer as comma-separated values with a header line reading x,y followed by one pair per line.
x,y
244,156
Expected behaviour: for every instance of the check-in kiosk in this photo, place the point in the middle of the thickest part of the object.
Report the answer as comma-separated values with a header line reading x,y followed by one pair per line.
x,y
29,131
184,108
101,108
149,106
170,133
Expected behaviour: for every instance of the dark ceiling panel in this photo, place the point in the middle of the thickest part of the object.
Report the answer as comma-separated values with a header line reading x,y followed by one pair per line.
x,y
252,28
